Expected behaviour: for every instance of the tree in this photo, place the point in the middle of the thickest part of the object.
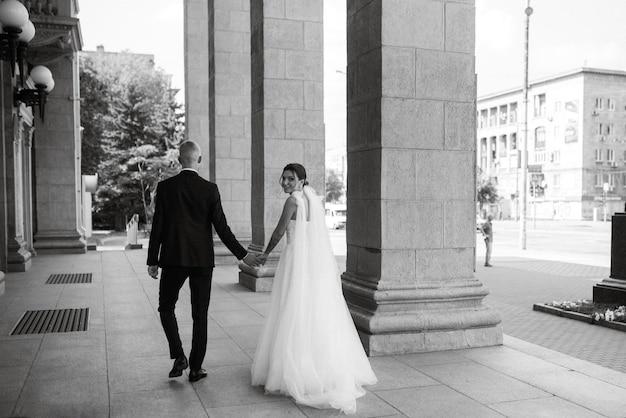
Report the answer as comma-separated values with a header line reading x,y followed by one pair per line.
x,y
487,192
334,186
132,140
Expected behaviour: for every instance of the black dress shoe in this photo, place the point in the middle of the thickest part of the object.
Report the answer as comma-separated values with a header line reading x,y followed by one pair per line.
x,y
180,364
195,375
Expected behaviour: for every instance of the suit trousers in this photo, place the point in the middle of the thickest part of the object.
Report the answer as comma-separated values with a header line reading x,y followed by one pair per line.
x,y
172,279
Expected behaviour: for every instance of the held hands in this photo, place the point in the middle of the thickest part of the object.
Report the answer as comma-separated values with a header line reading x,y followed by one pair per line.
x,y
252,260
262,258
153,271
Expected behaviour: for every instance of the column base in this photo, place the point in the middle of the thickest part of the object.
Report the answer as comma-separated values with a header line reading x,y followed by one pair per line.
x,y
610,291
18,257
60,242
428,341
400,318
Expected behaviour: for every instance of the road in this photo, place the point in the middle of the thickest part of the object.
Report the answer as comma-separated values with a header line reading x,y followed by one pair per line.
x,y
581,242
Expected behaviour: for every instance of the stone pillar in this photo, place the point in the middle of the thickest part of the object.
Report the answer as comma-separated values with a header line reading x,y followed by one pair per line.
x,y
287,112
409,282
229,112
613,288
57,161
18,254
197,78
5,108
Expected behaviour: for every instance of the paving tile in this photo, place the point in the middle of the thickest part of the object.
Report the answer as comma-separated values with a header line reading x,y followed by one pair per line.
x,y
225,352
230,386
143,374
246,336
482,383
393,374
17,352
71,397
426,359
177,401
237,318
510,362
6,409
436,402
66,362
137,343
227,303
367,406
12,379
543,408
262,410
582,390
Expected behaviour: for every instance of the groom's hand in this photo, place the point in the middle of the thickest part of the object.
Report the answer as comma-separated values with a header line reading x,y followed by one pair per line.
x,y
251,260
153,271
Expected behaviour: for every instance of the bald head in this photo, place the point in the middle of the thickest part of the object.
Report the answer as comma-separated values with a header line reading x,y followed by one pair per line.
x,y
189,154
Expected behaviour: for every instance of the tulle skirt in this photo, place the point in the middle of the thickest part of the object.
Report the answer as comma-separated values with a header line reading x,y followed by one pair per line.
x,y
309,348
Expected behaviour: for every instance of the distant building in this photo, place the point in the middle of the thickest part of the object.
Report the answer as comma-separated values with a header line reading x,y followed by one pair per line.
x,y
576,145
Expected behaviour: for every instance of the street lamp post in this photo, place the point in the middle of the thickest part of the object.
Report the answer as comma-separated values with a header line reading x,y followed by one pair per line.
x,y
524,160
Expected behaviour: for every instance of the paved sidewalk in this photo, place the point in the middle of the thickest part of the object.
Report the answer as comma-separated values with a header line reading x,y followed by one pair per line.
x,y
118,368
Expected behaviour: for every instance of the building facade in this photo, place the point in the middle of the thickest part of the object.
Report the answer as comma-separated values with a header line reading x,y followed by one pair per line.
x,y
40,197
576,145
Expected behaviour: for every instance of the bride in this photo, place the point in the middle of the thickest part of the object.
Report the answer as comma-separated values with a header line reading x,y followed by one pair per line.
x,y
309,348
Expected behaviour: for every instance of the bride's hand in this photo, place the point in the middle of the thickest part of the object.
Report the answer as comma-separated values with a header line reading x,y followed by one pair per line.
x,y
262,258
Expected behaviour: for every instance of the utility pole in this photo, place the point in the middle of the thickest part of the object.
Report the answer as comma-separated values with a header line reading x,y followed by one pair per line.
x,y
524,162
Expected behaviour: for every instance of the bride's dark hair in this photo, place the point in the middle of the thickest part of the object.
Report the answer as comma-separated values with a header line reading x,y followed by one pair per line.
x,y
299,170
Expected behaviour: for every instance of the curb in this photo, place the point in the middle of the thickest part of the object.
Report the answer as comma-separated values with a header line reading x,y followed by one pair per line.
x,y
620,326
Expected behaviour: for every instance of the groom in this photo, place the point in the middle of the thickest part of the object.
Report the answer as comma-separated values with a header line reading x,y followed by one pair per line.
x,y
181,243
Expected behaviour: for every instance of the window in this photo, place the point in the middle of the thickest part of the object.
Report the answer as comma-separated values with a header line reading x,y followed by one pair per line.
x,y
557,107
483,118
557,134
610,155
540,137
513,142
556,156
624,180
556,180
598,103
540,105
599,180
504,115
610,104
599,129
492,144
513,113
609,129
598,155
502,146
492,116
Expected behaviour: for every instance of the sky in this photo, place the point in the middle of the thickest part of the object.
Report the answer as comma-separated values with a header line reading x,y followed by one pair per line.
x,y
587,33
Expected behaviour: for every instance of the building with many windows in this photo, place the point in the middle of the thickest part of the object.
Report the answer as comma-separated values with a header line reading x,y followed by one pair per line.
x,y
576,145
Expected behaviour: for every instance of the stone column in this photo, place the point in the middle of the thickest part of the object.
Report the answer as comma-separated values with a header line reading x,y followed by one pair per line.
x,y
5,112
197,78
409,282
57,162
287,112
18,254
229,114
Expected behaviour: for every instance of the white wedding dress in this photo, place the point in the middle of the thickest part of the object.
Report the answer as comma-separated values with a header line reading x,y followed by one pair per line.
x,y
309,348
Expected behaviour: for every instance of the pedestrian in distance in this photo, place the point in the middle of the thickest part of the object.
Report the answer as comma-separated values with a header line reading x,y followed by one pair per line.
x,y
487,230
187,208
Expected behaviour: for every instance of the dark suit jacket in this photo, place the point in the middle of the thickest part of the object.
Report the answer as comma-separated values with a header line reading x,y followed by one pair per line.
x,y
186,207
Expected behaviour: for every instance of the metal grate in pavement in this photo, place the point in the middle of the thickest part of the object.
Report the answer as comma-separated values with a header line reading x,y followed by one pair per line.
x,y
69,278
52,320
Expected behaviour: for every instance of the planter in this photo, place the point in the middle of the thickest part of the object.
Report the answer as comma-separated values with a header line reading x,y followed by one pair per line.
x,y
620,326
